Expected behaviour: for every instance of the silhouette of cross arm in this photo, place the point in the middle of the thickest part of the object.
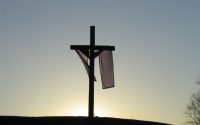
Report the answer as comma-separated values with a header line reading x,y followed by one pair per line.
x,y
88,47
85,49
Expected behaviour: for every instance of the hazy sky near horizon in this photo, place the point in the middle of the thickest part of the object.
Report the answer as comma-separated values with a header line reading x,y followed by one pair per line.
x,y
157,57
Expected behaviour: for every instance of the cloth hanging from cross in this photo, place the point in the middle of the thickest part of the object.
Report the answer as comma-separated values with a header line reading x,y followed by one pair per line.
x,y
88,53
105,64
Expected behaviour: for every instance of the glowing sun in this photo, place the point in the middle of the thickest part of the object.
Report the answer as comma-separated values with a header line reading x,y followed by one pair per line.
x,y
83,111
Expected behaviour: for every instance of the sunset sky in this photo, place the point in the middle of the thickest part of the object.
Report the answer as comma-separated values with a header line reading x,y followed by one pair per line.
x,y
156,57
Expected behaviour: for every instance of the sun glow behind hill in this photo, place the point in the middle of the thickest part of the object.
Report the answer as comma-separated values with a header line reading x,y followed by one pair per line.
x,y
82,110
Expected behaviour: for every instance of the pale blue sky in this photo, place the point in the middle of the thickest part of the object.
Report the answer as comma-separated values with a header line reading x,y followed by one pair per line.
x,y
157,60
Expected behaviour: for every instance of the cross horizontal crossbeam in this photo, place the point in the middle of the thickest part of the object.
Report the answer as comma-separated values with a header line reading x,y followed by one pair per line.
x,y
88,47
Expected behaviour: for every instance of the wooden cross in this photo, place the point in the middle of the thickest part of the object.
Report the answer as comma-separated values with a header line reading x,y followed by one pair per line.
x,y
91,51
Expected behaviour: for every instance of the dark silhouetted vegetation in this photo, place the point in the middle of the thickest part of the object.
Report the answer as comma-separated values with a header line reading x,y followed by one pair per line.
x,y
193,109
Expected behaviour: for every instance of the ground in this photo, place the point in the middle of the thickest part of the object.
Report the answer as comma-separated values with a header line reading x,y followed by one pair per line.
x,y
66,120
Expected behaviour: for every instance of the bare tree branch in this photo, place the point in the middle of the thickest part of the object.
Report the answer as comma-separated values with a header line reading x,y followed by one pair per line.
x,y
193,109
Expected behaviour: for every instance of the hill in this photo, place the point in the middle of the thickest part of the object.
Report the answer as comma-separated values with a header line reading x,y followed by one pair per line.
x,y
67,120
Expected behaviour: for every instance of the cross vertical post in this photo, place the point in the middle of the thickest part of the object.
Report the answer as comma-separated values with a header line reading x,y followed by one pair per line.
x,y
91,72
90,52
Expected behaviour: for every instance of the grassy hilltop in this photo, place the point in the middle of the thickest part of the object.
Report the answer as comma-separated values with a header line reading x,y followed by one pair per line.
x,y
67,120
